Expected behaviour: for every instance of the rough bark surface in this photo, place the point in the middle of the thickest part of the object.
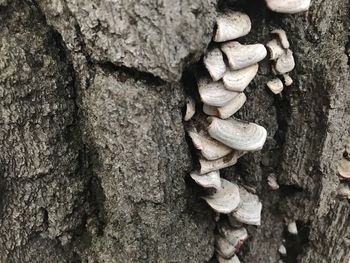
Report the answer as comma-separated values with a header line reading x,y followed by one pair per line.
x,y
94,161
43,191
140,158
158,37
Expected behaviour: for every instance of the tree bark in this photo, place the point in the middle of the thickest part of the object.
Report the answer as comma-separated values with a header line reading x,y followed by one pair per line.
x,y
94,160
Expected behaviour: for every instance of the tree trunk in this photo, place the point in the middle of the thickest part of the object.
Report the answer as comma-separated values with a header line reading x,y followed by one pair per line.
x,y
94,162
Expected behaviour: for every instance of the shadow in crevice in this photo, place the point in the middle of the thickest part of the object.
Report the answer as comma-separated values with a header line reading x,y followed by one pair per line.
x,y
97,199
296,244
76,258
125,73
251,7
3,187
94,220
283,111
289,190
347,50
189,84
190,88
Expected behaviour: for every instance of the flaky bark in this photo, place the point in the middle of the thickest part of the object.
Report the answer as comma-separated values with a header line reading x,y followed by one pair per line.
x,y
94,162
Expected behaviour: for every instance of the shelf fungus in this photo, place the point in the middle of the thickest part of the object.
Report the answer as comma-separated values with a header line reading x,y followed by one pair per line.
x,y
209,180
238,80
228,110
232,25
210,110
292,228
241,56
214,62
344,191
344,168
288,6
236,237
224,248
282,36
214,93
190,108
224,162
249,209
233,259
237,134
275,49
272,182
226,199
282,250
232,106
275,85
210,148
287,80
285,63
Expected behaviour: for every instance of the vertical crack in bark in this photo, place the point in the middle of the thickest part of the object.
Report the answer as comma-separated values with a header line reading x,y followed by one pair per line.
x,y
295,244
347,50
74,130
45,149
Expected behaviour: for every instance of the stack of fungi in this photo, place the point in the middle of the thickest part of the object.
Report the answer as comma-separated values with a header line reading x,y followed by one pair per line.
x,y
282,61
220,139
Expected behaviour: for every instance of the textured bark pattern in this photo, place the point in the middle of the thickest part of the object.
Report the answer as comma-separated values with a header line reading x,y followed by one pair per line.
x,y
114,192
94,162
42,197
134,129
158,37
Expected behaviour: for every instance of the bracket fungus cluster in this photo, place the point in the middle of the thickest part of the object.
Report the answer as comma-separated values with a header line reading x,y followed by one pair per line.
x,y
280,54
221,139
282,61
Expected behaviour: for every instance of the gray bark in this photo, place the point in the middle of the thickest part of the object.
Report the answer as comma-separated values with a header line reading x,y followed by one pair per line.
x,y
94,161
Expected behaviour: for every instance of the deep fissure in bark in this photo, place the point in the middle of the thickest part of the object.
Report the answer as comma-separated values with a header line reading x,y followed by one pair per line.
x,y
127,73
